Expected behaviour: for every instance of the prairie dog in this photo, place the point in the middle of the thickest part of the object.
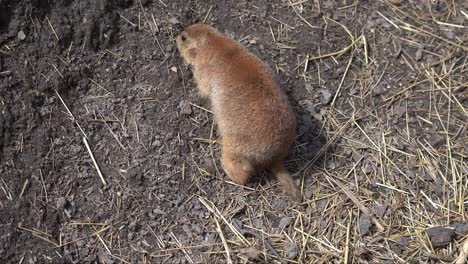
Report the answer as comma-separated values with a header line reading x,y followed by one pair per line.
x,y
255,119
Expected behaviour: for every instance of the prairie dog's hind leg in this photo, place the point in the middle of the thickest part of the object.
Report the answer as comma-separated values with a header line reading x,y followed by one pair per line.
x,y
238,168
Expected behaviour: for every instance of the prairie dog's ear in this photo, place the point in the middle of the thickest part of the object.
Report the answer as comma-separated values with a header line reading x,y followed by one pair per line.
x,y
204,37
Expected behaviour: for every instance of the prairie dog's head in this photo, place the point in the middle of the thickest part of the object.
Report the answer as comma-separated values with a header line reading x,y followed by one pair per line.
x,y
192,39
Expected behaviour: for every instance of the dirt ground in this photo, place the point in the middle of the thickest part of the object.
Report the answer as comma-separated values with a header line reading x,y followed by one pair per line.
x,y
379,87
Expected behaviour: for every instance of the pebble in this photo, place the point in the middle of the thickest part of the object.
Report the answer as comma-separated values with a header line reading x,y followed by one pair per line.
x,y
364,224
327,96
21,35
461,229
308,194
381,209
291,249
436,140
284,222
61,202
185,107
440,236
174,20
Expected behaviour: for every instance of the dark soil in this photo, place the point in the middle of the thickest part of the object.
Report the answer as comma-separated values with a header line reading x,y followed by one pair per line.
x,y
395,135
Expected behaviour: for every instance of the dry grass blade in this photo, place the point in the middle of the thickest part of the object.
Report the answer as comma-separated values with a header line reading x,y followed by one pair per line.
x,y
71,114
301,17
226,247
39,234
210,206
463,257
187,256
85,141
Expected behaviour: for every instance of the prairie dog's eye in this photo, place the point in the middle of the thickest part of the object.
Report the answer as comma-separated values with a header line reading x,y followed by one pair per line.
x,y
183,38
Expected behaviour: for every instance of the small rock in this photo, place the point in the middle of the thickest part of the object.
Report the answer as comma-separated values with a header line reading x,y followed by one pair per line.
x,y
410,174
61,202
284,222
104,258
185,107
209,238
196,228
364,224
157,143
449,34
402,241
174,20
321,203
250,253
436,140
314,113
381,209
419,53
399,111
291,250
174,69
329,4
158,211
327,96
308,194
461,229
133,226
21,35
396,247
440,236
257,223
331,165
367,168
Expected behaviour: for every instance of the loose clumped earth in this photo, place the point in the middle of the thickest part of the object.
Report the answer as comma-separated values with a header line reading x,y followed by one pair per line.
x,y
379,87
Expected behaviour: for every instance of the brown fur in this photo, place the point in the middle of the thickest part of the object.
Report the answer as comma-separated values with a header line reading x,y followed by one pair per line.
x,y
256,121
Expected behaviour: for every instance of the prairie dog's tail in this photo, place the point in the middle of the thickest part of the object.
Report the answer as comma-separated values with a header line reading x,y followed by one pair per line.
x,y
287,181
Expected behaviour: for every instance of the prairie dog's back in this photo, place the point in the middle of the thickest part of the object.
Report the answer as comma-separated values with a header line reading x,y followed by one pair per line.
x,y
249,106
